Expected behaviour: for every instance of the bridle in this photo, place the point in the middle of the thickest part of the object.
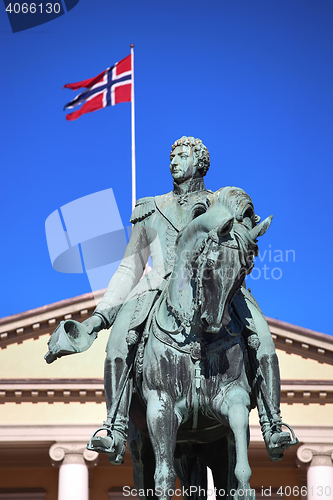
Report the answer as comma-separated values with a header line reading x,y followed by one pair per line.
x,y
199,261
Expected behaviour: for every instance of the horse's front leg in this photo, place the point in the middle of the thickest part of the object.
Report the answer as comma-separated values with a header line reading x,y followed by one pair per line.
x,y
238,416
163,423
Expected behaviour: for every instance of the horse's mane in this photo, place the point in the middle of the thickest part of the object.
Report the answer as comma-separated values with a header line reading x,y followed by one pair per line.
x,y
238,203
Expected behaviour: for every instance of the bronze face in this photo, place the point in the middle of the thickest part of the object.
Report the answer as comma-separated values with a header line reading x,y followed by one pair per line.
x,y
183,164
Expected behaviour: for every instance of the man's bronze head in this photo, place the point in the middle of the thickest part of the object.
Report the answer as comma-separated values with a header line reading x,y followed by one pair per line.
x,y
199,151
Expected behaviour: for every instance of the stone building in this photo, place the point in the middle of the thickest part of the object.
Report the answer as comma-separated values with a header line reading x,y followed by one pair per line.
x,y
48,412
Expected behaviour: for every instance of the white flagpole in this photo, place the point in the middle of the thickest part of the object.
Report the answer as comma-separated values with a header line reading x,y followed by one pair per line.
x,y
133,133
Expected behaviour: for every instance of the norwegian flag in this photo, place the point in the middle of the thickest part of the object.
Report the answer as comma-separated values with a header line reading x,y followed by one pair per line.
x,y
112,86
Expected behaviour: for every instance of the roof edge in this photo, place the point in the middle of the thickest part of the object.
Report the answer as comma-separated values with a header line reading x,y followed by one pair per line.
x,y
52,307
301,330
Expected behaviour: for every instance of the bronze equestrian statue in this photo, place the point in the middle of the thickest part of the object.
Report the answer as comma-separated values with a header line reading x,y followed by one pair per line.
x,y
187,335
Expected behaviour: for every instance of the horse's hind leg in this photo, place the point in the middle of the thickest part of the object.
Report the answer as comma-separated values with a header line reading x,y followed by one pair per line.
x,y
216,456
143,459
193,477
163,423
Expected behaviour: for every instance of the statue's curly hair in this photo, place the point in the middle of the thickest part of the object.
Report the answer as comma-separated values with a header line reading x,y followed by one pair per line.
x,y
199,149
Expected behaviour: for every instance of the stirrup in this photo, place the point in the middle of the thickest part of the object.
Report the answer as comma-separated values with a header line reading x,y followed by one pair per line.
x,y
283,441
107,444
92,445
294,439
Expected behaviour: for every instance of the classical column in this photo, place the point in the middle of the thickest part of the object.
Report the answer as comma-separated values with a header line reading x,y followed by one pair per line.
x,y
73,459
320,470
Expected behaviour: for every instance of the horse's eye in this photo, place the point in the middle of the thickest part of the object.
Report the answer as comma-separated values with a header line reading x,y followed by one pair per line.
x,y
210,263
247,218
247,222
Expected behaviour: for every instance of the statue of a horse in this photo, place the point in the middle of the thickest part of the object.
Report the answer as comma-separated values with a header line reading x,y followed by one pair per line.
x,y
194,382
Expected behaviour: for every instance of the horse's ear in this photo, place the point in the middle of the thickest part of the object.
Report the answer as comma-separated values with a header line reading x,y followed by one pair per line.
x,y
225,227
261,228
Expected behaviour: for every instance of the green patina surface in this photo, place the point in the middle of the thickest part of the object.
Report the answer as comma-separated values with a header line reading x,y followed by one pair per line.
x,y
187,336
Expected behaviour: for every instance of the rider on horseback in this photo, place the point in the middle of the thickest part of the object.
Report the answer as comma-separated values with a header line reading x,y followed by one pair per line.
x,y
129,299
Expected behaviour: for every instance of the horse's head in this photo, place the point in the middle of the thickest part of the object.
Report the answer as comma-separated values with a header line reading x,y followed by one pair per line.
x,y
225,255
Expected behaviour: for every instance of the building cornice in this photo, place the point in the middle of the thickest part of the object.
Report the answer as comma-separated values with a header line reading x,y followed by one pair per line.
x,y
52,391
92,391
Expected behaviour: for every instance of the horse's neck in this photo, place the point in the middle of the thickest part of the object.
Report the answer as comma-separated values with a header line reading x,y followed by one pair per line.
x,y
180,291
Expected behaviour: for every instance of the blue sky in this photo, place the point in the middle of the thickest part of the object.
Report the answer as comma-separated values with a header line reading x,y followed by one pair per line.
x,y
251,78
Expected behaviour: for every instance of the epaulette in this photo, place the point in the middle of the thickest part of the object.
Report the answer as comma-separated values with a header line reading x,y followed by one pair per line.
x,y
143,208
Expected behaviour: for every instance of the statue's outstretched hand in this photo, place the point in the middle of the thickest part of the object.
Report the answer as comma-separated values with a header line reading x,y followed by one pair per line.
x,y
93,324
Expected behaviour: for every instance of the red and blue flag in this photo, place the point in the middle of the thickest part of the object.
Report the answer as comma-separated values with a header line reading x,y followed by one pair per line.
x,y
112,86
